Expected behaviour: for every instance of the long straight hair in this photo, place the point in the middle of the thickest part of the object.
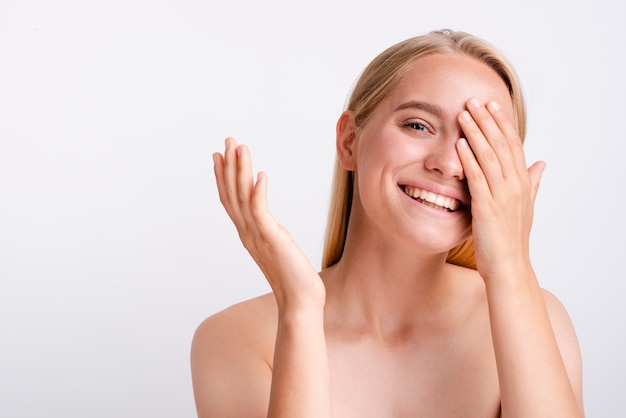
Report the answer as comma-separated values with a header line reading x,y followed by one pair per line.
x,y
377,81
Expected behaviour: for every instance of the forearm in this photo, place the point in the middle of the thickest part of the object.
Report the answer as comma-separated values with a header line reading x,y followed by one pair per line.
x,y
533,378
300,377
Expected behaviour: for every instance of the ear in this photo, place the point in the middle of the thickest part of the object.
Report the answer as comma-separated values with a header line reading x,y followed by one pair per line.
x,y
346,134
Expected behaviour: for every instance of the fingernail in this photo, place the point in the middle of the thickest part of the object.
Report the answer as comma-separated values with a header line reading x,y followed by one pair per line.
x,y
463,143
473,103
465,116
494,106
214,159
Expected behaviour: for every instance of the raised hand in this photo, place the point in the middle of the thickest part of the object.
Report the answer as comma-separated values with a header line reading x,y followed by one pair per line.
x,y
502,189
503,194
293,279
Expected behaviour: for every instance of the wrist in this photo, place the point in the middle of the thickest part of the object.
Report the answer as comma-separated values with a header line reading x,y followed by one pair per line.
x,y
511,268
510,278
305,301
300,316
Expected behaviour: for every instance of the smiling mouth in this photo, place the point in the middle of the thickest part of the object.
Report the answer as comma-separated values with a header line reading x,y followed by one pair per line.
x,y
431,199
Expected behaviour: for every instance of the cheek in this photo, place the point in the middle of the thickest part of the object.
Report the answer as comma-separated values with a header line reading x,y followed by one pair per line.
x,y
388,144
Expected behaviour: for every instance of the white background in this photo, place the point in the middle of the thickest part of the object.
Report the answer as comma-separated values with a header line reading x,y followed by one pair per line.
x,y
113,245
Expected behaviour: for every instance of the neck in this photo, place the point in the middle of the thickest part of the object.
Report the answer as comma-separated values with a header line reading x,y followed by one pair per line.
x,y
384,289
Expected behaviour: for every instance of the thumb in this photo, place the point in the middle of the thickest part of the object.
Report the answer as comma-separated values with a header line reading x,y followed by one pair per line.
x,y
535,172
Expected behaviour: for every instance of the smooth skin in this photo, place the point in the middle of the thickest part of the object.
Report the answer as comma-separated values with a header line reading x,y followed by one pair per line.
x,y
392,330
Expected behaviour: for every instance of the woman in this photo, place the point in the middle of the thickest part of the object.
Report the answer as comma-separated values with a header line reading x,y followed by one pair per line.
x,y
427,303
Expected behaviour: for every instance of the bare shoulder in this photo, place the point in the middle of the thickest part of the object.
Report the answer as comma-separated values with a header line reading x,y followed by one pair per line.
x,y
231,357
251,315
567,341
560,320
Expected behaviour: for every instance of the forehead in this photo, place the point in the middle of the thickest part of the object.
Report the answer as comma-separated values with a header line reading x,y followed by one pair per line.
x,y
448,81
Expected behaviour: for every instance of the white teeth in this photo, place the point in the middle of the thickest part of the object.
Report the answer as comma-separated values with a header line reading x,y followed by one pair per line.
x,y
430,197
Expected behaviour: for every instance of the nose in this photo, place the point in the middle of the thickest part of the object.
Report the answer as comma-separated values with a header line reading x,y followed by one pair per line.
x,y
445,160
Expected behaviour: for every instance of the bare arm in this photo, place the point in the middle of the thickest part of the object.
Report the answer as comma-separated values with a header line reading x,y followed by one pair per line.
x,y
300,376
539,373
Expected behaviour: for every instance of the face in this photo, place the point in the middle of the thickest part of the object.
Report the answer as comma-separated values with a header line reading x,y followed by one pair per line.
x,y
409,181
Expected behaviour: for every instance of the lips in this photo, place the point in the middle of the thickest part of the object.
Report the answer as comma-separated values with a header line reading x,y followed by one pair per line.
x,y
431,199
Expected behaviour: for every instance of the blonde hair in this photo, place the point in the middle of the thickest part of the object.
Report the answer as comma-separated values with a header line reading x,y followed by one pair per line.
x,y
377,81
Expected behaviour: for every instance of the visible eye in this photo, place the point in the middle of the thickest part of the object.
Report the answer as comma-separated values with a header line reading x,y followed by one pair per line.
x,y
417,126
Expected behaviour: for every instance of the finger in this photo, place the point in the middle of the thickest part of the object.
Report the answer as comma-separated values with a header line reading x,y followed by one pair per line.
x,y
535,172
220,177
230,198
245,181
218,170
260,213
498,151
476,180
516,146
483,153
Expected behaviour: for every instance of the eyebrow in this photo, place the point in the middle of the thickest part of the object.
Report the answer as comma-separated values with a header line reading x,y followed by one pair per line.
x,y
428,107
